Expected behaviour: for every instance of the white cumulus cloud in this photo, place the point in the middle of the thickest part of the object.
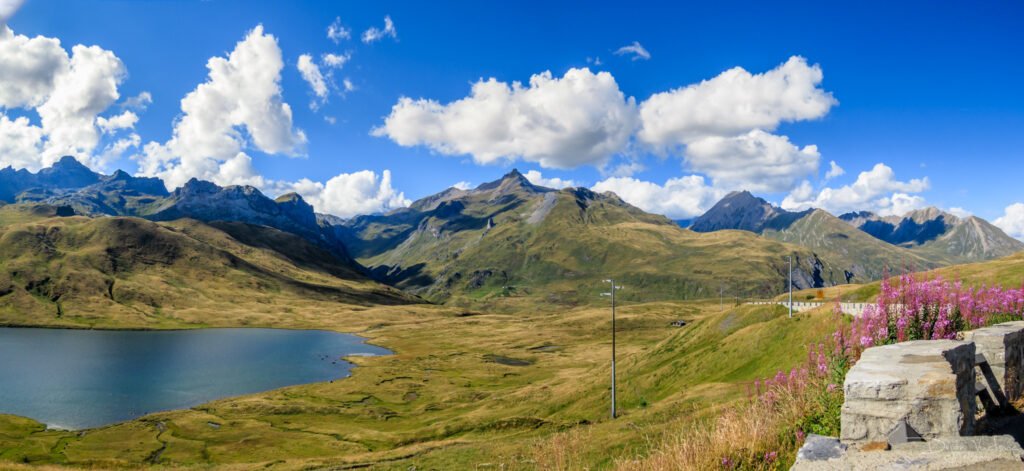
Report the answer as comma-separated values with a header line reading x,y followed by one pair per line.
x,y
875,190
580,119
118,148
138,102
115,123
19,143
899,204
8,8
88,88
834,170
755,161
734,103
335,61
1012,220
722,126
337,32
29,68
538,179
375,34
350,194
66,91
959,212
242,93
636,50
679,198
311,74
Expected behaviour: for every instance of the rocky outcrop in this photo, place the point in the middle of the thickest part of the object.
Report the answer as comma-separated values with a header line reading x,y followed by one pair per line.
x,y
926,384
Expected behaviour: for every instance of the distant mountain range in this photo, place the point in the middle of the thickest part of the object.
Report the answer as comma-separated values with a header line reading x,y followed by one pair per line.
x,y
867,243
934,231
77,271
509,240
146,253
76,189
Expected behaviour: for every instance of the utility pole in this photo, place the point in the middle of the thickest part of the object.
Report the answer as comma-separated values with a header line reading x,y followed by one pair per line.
x,y
612,294
791,286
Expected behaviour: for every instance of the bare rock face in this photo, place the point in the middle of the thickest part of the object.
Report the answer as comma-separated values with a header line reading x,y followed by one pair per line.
x,y
969,238
928,384
738,210
1003,348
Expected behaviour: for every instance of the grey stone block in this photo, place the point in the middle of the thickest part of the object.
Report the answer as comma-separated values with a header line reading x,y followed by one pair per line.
x,y
929,384
1002,345
820,448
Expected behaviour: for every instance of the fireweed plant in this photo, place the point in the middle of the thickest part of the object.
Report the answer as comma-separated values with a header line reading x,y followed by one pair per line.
x,y
911,307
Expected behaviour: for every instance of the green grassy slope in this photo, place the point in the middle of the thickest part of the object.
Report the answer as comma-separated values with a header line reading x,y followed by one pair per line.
x,y
516,245
972,239
77,271
1007,272
846,248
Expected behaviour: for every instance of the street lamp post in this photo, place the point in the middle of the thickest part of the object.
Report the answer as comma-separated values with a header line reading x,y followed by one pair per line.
x,y
612,294
791,286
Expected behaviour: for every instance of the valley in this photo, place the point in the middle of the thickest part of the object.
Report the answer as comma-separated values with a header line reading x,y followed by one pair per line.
x,y
531,236
488,297
445,399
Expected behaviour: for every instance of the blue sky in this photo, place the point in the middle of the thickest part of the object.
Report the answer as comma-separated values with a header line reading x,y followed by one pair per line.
x,y
929,89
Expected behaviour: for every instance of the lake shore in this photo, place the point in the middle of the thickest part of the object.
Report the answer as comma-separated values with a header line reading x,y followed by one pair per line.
x,y
438,401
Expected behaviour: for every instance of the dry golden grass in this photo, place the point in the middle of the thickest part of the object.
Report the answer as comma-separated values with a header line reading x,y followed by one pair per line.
x,y
438,403
759,434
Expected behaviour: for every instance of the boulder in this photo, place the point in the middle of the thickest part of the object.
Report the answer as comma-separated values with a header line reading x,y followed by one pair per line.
x,y
929,384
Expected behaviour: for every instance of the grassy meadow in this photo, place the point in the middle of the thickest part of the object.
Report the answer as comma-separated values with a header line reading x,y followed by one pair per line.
x,y
464,390
505,380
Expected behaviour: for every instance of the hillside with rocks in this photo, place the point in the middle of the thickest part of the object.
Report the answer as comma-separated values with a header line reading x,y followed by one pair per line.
x,y
937,234
863,244
510,239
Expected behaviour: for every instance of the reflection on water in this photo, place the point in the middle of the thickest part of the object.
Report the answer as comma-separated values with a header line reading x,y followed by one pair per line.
x,y
86,378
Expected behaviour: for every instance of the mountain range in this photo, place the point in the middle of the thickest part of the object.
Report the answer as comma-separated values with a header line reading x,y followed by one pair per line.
x,y
505,242
81,247
76,189
865,242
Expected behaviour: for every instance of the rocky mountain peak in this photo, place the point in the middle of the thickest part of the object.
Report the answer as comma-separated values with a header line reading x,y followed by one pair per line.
x,y
856,215
291,197
119,175
737,210
741,197
931,213
66,173
510,182
196,186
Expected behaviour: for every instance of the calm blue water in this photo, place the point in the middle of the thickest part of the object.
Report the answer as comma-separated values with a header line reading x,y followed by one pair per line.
x,y
78,379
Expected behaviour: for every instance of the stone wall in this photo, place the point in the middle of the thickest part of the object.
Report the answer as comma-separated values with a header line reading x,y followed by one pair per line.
x,y
927,384
918,401
1002,346
853,309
